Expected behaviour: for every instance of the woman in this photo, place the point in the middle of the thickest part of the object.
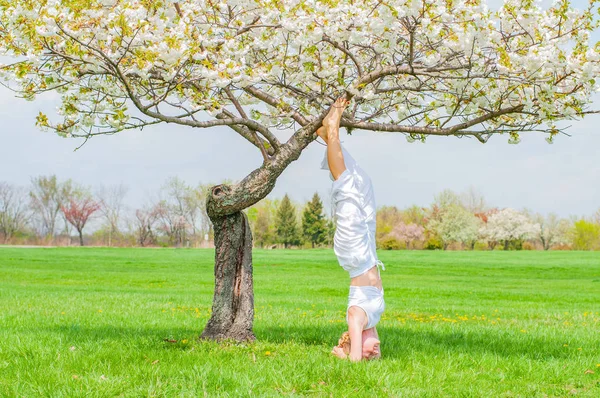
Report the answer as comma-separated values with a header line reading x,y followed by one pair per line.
x,y
354,242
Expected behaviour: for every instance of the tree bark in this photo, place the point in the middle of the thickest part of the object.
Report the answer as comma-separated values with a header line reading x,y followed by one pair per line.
x,y
80,237
233,303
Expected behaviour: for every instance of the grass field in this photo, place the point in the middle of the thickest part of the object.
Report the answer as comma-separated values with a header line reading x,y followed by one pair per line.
x,y
93,322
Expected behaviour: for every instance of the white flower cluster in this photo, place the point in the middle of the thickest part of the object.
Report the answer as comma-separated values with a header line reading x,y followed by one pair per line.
x,y
456,61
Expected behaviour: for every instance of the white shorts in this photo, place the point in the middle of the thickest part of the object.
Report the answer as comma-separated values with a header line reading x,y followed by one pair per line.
x,y
370,299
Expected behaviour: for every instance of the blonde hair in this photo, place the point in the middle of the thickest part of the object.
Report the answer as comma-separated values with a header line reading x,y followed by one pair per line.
x,y
344,343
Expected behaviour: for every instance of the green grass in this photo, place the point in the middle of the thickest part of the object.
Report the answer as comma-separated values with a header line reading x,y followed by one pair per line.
x,y
92,322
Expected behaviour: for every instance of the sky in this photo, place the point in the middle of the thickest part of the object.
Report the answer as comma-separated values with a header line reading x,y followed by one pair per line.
x,y
563,178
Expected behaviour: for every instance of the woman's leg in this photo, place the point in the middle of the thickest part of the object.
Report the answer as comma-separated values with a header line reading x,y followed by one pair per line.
x,y
330,132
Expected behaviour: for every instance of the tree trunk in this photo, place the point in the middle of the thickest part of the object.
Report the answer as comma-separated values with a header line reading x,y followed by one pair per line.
x,y
80,238
233,303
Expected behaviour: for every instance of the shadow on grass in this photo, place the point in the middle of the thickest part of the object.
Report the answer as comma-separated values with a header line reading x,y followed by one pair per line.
x,y
397,343
400,343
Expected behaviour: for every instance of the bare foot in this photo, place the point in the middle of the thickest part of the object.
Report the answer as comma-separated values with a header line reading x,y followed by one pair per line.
x,y
371,348
339,352
322,132
332,120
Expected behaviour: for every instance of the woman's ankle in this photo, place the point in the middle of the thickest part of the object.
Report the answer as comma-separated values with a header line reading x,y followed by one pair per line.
x,y
333,138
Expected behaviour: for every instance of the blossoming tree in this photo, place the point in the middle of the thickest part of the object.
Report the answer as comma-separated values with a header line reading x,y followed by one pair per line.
x,y
455,224
418,67
508,225
78,211
408,233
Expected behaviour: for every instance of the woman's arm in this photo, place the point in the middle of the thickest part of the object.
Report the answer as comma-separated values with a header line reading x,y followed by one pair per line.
x,y
356,321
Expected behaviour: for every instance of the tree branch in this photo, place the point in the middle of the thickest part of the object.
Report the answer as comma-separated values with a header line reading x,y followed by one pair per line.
x,y
274,102
454,130
345,51
242,113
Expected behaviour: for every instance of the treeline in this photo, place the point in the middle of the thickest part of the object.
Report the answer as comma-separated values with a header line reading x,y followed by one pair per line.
x,y
465,222
453,221
54,212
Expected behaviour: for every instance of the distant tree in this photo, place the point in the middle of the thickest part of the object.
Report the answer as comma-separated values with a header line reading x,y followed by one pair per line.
x,y
78,211
170,222
263,229
46,202
252,214
387,218
206,226
446,198
455,224
330,225
314,225
262,222
585,235
111,206
178,210
66,191
286,224
145,221
483,233
13,210
408,233
473,201
552,229
509,225
414,215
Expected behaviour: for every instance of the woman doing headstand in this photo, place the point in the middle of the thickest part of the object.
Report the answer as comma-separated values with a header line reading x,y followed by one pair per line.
x,y
354,242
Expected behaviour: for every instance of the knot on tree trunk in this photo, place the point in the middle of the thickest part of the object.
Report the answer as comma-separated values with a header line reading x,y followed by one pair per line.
x,y
221,189
217,201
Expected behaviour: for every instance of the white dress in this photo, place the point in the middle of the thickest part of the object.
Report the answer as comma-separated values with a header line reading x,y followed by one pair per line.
x,y
355,211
